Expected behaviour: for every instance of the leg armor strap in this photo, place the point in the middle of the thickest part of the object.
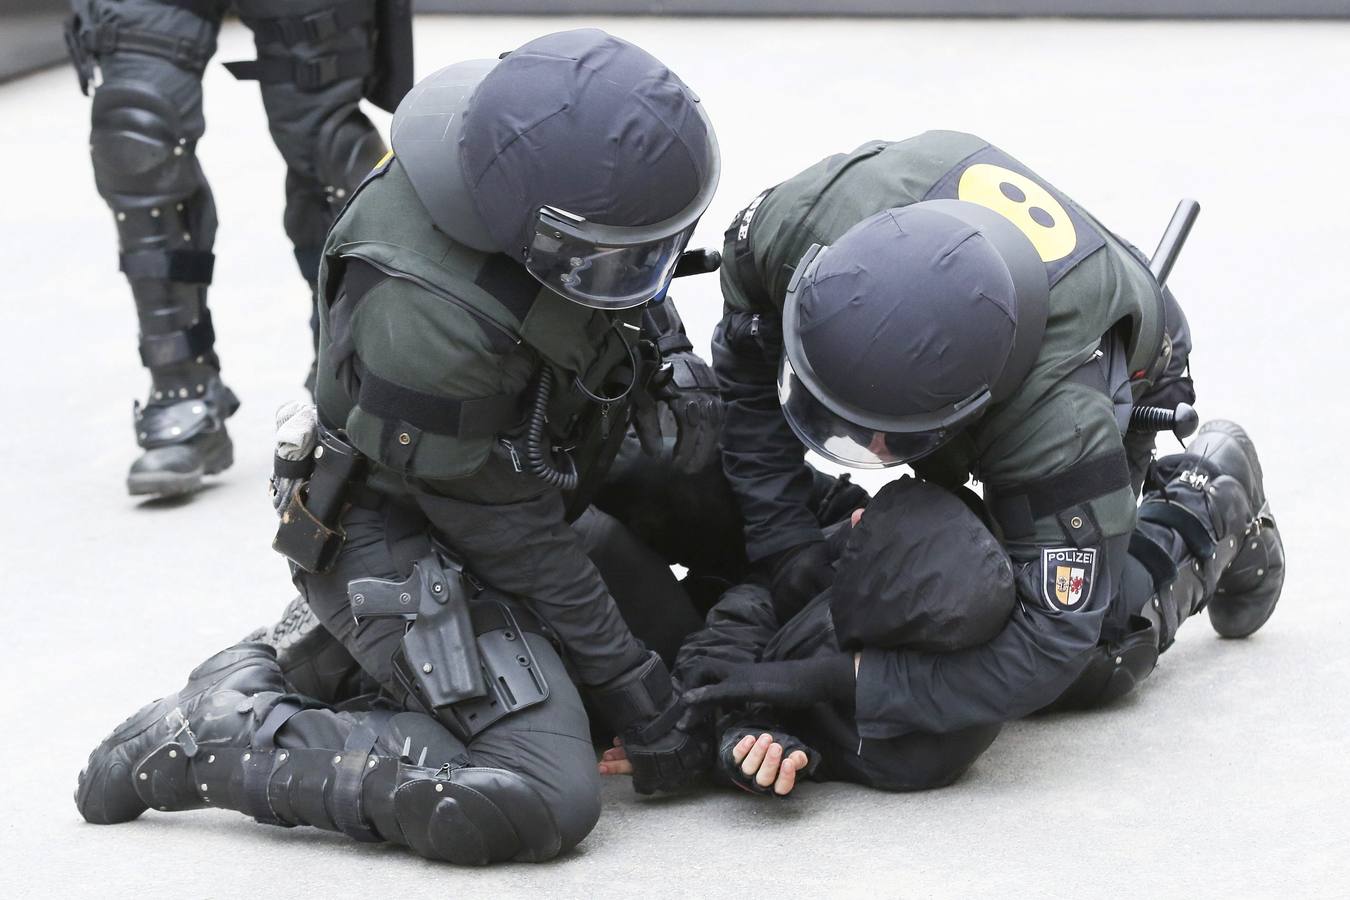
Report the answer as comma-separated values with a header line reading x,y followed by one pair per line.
x,y
110,37
160,350
162,424
187,266
313,27
309,74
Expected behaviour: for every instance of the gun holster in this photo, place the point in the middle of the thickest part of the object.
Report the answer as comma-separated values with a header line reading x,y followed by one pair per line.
x,y
310,534
467,668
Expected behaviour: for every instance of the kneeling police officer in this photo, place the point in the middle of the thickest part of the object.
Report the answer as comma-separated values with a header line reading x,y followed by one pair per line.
x,y
492,307
937,303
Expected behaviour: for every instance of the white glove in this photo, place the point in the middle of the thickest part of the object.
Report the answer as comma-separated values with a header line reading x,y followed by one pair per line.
x,y
297,422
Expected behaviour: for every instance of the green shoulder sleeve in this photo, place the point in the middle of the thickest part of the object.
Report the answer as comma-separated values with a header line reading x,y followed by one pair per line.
x,y
436,351
1069,424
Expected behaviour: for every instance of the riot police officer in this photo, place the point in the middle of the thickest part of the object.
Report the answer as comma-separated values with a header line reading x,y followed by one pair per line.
x,y
316,60
492,305
935,302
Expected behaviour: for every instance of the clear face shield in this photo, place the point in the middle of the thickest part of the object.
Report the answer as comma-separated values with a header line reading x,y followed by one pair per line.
x,y
613,266
600,266
855,437
863,446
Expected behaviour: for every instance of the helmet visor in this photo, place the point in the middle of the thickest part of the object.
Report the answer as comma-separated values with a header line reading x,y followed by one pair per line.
x,y
845,442
600,266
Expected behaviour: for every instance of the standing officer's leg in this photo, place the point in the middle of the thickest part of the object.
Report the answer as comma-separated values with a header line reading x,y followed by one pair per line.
x,y
313,59
147,118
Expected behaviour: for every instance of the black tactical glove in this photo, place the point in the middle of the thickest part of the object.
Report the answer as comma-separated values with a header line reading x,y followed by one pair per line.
x,y
682,398
797,575
786,684
645,709
668,763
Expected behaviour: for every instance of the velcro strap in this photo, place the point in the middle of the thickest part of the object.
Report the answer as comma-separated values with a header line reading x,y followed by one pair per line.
x,y
313,27
265,737
1157,561
1183,522
477,417
311,74
346,796
186,53
257,774
662,323
1017,508
636,698
187,266
178,346
292,468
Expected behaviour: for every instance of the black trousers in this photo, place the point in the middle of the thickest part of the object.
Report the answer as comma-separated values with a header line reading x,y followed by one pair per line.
x,y
548,744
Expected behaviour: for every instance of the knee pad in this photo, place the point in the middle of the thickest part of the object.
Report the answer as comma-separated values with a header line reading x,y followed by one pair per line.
x,y
142,157
349,147
476,816
1113,669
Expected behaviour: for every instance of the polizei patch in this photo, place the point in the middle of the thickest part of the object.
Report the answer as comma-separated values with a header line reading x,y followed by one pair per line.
x,y
1067,577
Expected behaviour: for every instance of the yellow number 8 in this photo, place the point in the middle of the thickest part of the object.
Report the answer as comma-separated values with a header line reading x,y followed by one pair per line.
x,y
1023,202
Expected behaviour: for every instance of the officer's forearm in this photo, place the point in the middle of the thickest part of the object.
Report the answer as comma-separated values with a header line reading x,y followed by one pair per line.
x,y
528,550
1017,673
763,460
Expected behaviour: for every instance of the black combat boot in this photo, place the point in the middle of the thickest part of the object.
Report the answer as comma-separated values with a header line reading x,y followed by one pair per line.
x,y
184,438
112,790
1207,509
1250,586
233,738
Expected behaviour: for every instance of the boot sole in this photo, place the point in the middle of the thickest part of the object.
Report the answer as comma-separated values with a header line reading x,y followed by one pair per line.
x,y
165,484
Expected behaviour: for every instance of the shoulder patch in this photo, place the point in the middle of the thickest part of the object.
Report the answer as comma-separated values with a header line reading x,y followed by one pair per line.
x,y
1067,577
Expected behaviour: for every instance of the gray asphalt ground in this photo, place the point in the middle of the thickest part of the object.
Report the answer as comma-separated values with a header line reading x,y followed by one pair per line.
x,y
1226,774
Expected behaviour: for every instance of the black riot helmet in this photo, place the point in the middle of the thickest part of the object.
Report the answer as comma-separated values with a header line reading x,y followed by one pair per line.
x,y
906,329
579,154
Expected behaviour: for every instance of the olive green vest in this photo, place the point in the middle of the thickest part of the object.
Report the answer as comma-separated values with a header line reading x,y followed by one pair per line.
x,y
1097,284
454,340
